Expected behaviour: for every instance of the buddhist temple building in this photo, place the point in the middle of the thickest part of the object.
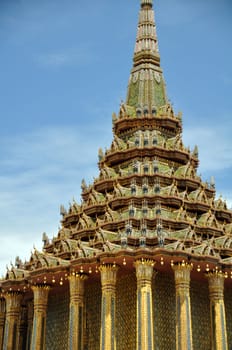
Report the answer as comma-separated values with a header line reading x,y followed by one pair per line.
x,y
144,261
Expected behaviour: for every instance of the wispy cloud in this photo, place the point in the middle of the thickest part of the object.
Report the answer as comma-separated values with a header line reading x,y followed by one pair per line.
x,y
39,171
214,143
54,59
215,153
227,79
63,58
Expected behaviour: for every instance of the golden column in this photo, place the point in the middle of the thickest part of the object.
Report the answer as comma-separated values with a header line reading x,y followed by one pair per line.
x,y
108,329
39,319
2,320
76,311
217,311
183,307
145,330
13,306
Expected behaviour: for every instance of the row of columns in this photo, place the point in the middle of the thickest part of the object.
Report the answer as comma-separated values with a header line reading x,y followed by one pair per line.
x,y
145,338
10,337
183,309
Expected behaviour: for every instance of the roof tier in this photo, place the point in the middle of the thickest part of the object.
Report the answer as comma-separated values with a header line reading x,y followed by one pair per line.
x,y
148,199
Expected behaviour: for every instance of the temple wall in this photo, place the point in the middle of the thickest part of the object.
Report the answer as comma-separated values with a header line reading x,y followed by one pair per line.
x,y
228,310
200,309
93,315
164,312
57,322
126,312
163,308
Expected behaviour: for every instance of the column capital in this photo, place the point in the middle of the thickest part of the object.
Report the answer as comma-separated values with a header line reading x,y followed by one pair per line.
x,y
108,268
144,270
40,297
13,301
76,287
108,275
77,278
182,275
182,270
41,288
216,284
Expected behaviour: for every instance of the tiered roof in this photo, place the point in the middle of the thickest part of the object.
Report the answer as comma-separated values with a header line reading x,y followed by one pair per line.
x,y
148,200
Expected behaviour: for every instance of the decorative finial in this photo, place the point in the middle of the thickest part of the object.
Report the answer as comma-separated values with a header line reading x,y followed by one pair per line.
x,y
83,185
18,262
63,211
45,239
100,154
212,182
195,152
146,2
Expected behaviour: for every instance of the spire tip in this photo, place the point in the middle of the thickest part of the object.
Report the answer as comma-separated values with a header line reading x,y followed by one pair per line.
x,y
146,2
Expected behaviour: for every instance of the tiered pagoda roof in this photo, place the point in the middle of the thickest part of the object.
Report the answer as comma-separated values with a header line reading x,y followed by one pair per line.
x,y
148,199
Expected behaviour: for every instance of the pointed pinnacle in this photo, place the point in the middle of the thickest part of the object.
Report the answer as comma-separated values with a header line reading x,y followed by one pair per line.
x,y
146,2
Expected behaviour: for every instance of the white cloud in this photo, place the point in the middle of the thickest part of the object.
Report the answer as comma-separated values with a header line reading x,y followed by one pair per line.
x,y
214,143
40,171
64,57
54,59
215,153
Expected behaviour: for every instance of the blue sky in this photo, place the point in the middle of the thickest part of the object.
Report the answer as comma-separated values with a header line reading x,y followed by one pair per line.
x,y
64,69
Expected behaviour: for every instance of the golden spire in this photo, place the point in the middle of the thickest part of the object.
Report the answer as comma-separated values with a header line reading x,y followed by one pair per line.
x,y
146,2
146,85
146,47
